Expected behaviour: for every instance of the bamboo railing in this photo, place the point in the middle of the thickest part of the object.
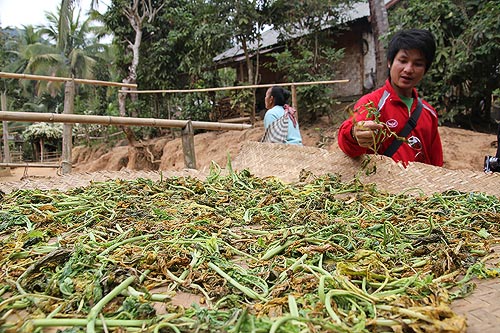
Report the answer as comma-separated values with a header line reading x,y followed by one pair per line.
x,y
186,125
120,121
30,165
293,89
67,142
231,88
64,79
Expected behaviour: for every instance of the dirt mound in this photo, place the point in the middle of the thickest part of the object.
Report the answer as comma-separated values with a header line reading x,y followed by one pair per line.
x,y
463,149
166,153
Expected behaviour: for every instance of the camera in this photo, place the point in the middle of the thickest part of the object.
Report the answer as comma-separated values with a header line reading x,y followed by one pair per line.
x,y
491,164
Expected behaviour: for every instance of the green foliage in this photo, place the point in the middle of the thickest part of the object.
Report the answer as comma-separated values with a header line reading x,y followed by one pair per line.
x,y
467,65
12,54
314,15
44,103
242,99
227,77
245,20
3,52
303,65
195,106
44,131
63,48
70,36
310,56
138,309
176,53
177,50
496,93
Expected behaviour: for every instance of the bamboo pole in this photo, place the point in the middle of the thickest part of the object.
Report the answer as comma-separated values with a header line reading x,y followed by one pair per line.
x,y
295,104
64,79
232,88
5,130
29,165
235,120
67,139
123,121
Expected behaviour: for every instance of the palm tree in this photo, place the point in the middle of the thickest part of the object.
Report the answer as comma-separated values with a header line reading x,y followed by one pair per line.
x,y
29,50
74,60
71,49
66,52
61,49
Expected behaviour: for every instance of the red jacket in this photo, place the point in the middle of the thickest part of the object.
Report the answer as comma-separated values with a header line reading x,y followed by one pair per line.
x,y
424,142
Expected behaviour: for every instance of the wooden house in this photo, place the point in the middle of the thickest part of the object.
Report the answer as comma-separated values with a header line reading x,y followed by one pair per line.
x,y
357,66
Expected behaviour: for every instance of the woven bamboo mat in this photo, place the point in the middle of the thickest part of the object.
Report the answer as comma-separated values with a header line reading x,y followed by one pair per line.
x,y
482,307
83,179
288,162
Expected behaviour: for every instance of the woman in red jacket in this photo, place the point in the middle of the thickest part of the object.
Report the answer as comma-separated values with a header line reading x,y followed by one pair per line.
x,y
380,116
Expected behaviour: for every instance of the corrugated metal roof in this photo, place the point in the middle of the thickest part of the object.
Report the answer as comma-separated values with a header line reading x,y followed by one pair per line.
x,y
270,37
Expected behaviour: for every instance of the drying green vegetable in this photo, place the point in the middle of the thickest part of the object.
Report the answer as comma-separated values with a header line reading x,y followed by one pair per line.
x,y
239,253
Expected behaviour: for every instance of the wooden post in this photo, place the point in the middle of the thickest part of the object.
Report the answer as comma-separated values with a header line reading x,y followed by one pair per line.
x,y
254,104
380,27
42,150
6,149
188,146
294,100
67,142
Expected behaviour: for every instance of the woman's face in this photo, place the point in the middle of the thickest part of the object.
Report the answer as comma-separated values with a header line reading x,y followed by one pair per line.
x,y
269,100
407,69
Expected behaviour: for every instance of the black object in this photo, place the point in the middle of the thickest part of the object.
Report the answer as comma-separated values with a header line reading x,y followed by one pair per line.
x,y
492,163
498,141
410,124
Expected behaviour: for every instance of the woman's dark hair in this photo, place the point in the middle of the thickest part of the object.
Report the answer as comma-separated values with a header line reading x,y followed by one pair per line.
x,y
280,95
410,39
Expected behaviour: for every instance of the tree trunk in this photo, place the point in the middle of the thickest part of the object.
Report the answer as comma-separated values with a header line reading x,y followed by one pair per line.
x,y
67,140
135,65
380,26
136,13
6,149
248,60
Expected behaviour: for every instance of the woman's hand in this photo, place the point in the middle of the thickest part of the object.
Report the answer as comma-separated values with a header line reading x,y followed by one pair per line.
x,y
365,132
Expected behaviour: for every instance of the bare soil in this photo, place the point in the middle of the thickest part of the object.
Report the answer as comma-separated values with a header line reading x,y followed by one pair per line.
x,y
463,149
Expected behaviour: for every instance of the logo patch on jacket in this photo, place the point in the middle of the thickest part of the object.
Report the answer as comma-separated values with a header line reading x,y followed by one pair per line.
x,y
392,123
